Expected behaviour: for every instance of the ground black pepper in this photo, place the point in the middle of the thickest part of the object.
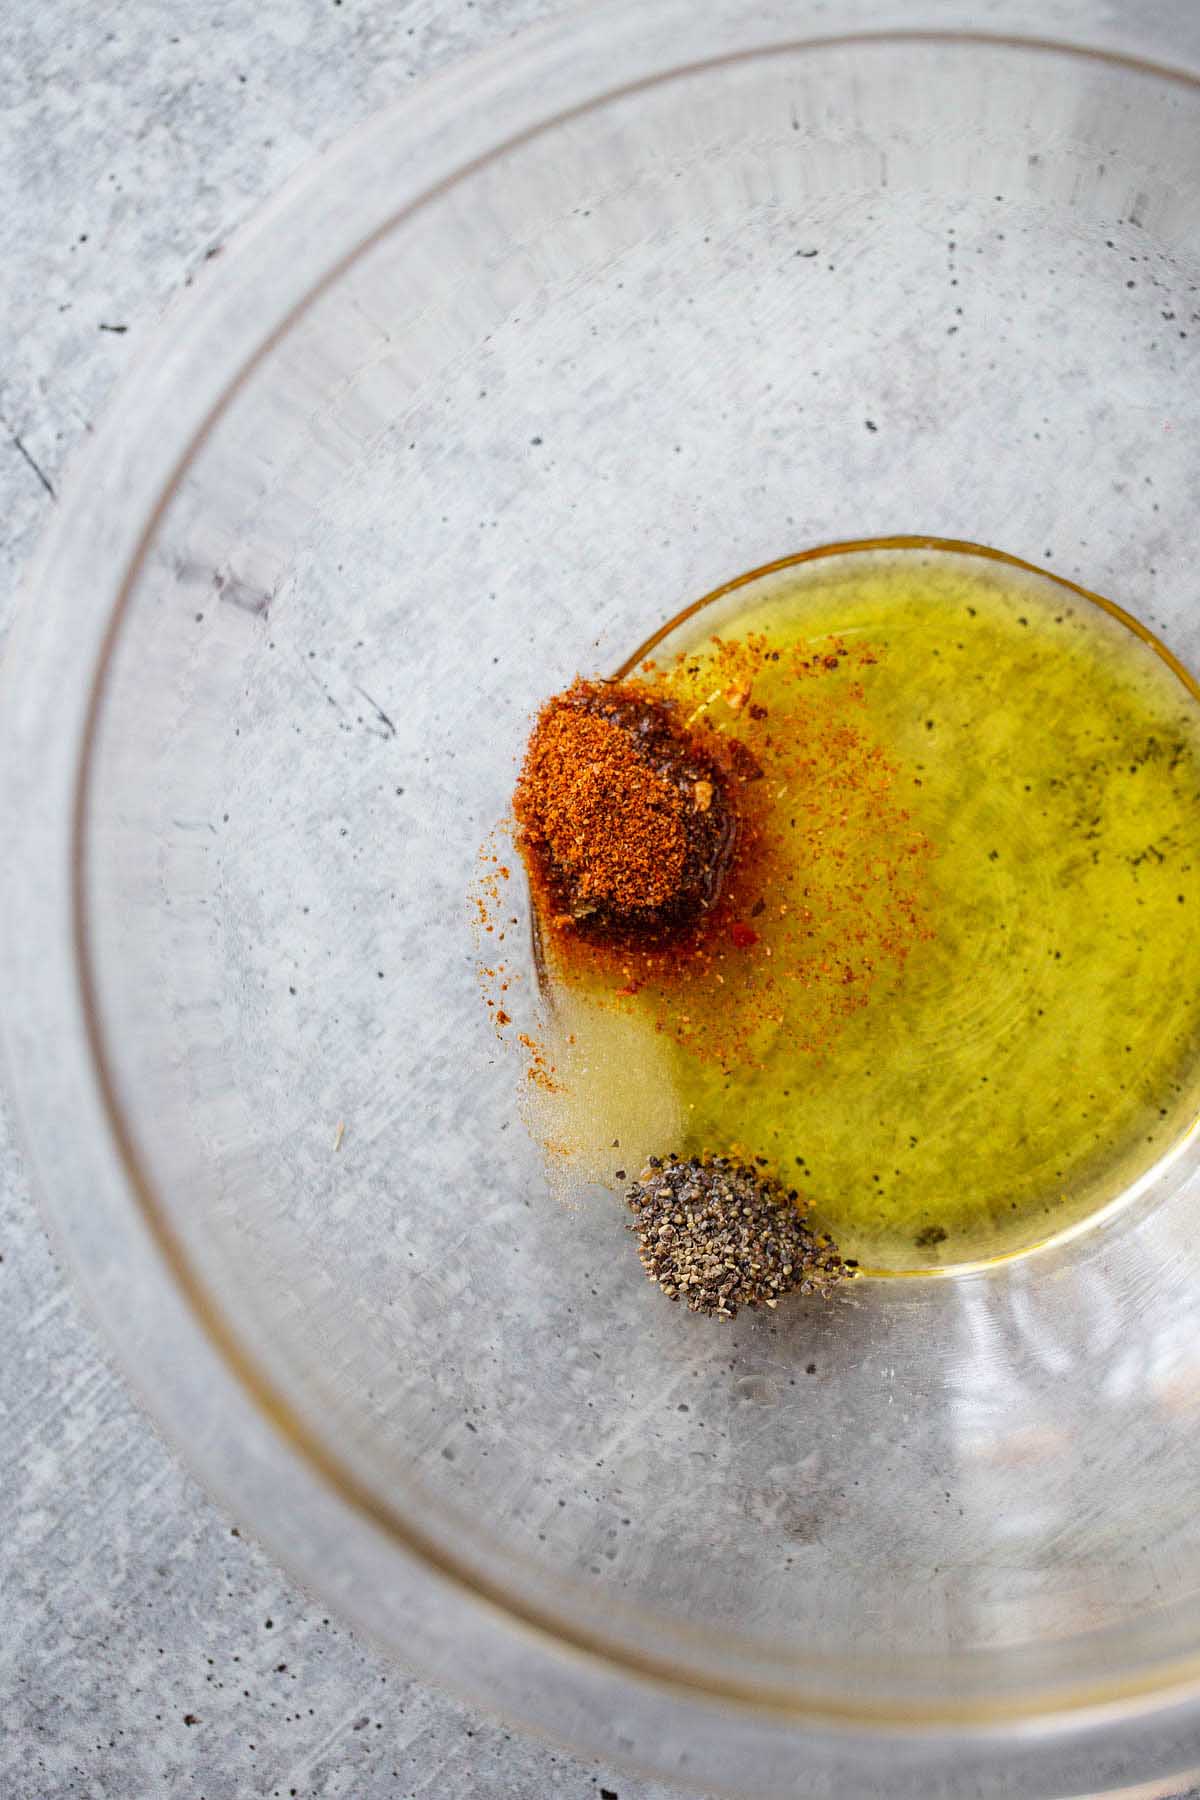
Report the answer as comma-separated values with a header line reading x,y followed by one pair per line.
x,y
721,1234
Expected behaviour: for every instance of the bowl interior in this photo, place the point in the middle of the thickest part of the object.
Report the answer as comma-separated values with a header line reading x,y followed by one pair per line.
x,y
825,293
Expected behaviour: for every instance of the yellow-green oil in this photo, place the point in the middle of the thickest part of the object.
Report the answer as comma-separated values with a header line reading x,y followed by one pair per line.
x,y
1039,1047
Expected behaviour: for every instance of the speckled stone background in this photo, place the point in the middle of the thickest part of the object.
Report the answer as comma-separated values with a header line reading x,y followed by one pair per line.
x,y
146,1647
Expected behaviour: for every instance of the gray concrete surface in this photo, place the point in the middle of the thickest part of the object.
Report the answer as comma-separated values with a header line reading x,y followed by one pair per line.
x,y
146,1647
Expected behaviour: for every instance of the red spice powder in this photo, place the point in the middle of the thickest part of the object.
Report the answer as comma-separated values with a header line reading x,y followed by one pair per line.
x,y
608,823
715,837
626,823
722,843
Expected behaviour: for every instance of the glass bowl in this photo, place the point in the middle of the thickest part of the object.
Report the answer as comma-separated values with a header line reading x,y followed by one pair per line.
x,y
652,298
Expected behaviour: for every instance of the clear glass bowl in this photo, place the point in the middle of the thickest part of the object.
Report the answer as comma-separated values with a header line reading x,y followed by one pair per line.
x,y
646,301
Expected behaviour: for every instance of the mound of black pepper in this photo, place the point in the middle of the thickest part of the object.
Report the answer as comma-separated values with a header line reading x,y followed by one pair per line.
x,y
720,1234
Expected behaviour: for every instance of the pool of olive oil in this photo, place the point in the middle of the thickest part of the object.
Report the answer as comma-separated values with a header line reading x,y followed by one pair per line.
x,y
1034,1048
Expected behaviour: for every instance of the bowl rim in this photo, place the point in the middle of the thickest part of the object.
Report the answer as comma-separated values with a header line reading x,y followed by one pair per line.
x,y
51,805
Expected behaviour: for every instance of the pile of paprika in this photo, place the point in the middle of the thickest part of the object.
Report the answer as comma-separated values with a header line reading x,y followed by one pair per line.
x,y
626,822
